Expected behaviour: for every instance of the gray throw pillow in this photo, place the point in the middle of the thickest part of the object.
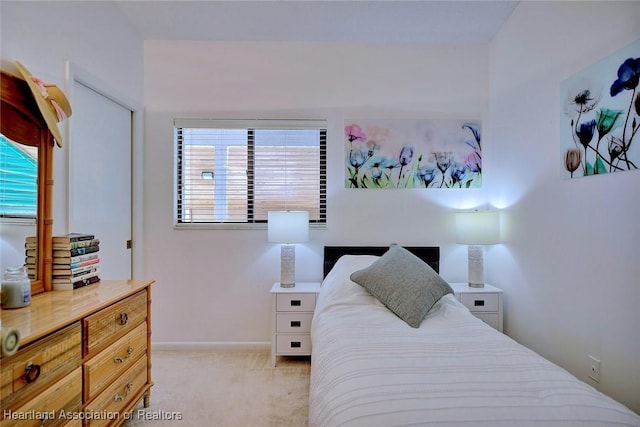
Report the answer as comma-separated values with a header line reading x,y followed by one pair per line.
x,y
404,283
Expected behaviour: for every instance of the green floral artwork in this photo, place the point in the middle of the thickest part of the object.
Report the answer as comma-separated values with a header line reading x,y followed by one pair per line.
x,y
601,121
438,153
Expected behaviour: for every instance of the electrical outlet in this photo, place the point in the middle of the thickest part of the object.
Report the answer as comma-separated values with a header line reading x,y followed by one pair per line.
x,y
594,369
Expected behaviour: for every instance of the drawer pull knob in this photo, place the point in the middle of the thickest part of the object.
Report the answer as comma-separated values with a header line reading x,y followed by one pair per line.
x,y
296,323
124,318
31,372
119,359
118,397
295,344
296,303
478,303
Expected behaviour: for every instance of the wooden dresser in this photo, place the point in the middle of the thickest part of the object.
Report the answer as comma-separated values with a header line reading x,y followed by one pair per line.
x,y
84,356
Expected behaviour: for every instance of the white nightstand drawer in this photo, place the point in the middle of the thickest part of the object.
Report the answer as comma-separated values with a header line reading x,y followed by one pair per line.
x,y
492,319
292,313
480,301
295,302
293,344
293,322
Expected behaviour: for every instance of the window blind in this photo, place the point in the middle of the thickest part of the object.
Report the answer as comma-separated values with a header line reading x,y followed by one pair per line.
x,y
18,180
236,171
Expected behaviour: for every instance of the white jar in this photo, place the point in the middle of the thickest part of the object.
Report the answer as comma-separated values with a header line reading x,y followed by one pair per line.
x,y
16,288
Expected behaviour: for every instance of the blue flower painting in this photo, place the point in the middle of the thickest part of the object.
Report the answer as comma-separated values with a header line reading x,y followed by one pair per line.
x,y
601,121
438,153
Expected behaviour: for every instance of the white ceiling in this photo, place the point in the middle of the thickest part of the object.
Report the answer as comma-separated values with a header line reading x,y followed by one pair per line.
x,y
391,21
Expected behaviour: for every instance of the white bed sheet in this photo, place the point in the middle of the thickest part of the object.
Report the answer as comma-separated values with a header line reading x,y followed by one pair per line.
x,y
369,368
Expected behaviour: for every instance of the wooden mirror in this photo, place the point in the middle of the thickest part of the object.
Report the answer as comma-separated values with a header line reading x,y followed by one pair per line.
x,y
22,123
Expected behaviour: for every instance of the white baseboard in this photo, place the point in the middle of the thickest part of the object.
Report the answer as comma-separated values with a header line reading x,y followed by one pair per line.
x,y
215,345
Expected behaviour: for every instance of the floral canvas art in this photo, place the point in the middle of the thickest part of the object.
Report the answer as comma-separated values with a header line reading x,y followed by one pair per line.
x,y
436,153
601,120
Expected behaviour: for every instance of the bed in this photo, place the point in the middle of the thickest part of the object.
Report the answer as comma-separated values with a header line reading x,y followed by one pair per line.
x,y
371,368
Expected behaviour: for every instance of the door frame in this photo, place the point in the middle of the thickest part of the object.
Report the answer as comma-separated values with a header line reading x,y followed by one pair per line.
x,y
76,74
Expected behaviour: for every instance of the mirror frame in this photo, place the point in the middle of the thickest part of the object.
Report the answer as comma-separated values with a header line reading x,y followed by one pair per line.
x,y
22,122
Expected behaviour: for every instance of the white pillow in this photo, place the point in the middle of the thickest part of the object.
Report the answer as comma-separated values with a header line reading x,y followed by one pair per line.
x,y
338,287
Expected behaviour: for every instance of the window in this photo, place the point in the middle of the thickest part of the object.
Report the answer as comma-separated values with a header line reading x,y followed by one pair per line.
x,y
18,180
235,171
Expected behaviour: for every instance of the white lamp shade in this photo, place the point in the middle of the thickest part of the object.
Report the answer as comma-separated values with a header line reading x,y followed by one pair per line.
x,y
288,226
478,228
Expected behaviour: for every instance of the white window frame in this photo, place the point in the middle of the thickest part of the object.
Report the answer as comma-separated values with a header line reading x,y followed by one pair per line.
x,y
247,124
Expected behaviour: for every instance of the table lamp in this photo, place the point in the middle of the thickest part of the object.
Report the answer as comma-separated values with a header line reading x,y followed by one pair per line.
x,y
476,229
288,228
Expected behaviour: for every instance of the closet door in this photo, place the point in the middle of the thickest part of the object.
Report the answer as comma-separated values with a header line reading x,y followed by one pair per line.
x,y
100,177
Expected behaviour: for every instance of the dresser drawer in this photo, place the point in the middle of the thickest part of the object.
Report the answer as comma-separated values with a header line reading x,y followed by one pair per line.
x,y
105,325
292,344
293,322
121,393
115,359
55,406
480,301
295,302
40,364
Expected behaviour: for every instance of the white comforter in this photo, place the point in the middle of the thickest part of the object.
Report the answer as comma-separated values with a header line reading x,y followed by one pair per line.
x,y
369,368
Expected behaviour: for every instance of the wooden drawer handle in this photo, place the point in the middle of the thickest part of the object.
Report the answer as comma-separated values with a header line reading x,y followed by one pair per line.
x,y
124,318
118,397
31,372
119,359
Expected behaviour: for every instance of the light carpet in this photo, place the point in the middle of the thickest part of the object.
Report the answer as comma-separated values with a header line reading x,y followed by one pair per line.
x,y
226,388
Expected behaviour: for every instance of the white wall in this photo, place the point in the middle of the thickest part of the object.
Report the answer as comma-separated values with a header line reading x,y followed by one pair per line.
x,y
569,266
97,39
214,285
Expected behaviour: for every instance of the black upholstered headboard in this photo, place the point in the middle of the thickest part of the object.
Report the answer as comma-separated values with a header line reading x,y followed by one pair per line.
x,y
429,254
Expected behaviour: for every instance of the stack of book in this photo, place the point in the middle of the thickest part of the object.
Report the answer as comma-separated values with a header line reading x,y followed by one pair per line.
x,y
75,261
31,254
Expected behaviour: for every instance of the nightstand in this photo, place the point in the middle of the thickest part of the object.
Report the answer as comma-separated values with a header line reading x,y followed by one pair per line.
x,y
484,303
292,311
